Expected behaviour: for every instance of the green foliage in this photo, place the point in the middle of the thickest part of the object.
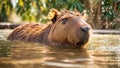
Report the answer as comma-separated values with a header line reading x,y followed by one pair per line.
x,y
106,14
37,10
5,8
24,9
108,9
65,4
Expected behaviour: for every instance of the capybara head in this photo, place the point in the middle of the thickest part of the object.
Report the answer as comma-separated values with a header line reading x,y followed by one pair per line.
x,y
69,27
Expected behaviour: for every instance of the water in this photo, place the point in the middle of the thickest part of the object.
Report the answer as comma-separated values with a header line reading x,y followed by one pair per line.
x,y
103,51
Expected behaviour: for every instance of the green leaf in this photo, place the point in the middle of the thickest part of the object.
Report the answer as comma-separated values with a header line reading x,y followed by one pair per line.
x,y
4,15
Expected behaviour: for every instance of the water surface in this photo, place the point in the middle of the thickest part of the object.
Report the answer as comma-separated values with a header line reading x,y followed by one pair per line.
x,y
103,51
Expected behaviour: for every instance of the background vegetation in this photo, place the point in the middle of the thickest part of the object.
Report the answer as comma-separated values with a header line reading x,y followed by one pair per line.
x,y
103,14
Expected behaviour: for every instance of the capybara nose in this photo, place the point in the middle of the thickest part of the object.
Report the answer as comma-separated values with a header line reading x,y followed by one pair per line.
x,y
85,29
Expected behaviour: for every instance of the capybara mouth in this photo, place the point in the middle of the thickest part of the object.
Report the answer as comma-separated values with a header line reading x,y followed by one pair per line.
x,y
82,42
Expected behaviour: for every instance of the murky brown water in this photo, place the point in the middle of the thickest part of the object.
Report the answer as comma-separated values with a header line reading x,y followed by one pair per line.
x,y
103,51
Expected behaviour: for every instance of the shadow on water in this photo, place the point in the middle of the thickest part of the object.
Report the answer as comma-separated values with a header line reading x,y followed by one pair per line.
x,y
103,51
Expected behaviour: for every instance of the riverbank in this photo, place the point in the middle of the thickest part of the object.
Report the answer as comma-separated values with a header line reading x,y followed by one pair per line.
x,y
95,31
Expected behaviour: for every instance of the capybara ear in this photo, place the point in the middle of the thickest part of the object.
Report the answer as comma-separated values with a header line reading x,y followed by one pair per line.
x,y
75,10
53,15
84,15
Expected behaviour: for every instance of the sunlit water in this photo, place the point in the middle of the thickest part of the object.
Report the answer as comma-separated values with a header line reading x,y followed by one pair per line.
x,y
103,51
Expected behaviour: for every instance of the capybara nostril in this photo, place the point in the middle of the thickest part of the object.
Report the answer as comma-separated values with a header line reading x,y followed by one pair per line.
x,y
85,29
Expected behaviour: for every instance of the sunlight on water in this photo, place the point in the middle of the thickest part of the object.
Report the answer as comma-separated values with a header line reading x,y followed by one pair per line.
x,y
105,42
103,51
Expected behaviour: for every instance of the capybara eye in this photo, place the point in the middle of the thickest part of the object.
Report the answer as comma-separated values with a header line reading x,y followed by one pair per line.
x,y
64,21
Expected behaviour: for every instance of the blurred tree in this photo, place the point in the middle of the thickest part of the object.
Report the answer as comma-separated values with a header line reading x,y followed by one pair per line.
x,y
102,13
36,10
5,9
105,14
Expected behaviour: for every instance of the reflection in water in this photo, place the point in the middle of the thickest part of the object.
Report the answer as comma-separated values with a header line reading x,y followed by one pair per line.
x,y
27,55
105,59
5,48
103,51
105,42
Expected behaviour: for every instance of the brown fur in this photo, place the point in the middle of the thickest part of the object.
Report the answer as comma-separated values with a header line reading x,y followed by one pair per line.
x,y
66,29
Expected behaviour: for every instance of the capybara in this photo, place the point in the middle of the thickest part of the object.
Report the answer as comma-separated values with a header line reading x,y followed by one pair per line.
x,y
67,28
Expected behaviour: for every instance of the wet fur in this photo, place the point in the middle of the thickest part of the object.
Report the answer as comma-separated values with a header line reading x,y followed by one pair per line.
x,y
31,33
54,33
